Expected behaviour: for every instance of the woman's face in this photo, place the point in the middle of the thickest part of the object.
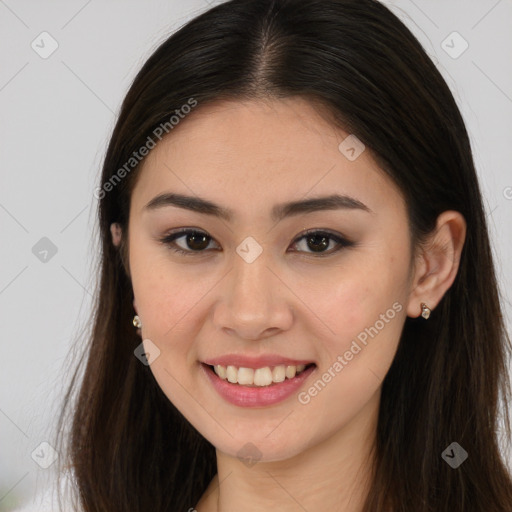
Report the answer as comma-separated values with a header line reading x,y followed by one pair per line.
x,y
253,290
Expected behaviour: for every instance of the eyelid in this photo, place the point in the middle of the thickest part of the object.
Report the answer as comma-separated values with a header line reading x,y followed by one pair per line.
x,y
341,240
171,236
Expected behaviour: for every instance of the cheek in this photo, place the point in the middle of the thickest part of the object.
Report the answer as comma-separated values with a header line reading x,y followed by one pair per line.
x,y
166,294
357,303
366,314
357,358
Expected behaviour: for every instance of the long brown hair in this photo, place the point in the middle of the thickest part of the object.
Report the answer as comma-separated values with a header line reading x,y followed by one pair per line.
x,y
129,448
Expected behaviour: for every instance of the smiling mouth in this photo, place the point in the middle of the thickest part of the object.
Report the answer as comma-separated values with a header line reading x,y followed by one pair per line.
x,y
267,376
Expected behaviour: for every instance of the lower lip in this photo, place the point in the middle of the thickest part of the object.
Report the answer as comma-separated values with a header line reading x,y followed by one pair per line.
x,y
244,396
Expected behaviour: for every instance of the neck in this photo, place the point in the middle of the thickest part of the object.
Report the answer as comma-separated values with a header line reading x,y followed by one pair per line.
x,y
334,474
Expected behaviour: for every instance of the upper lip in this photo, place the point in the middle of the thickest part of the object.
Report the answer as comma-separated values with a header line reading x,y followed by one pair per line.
x,y
254,362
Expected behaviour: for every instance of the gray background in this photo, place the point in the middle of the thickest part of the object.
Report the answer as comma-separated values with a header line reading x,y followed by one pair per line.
x,y
57,114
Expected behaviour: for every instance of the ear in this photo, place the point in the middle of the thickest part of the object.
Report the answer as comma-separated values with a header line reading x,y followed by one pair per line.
x,y
135,306
115,230
437,263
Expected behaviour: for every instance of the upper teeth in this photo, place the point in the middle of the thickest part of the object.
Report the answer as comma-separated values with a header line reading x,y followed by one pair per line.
x,y
259,376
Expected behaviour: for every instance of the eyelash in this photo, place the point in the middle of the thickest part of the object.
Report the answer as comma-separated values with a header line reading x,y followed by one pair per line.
x,y
169,241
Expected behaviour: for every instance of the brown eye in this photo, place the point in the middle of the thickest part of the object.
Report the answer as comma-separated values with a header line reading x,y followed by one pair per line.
x,y
319,241
194,241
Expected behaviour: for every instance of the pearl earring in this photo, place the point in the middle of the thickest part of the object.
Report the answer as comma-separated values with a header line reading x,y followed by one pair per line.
x,y
425,311
136,322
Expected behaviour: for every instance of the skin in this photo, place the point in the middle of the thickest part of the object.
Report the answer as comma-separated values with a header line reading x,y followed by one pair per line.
x,y
249,156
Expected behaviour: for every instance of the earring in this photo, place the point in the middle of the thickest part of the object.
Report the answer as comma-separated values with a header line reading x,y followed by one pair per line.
x,y
425,311
136,322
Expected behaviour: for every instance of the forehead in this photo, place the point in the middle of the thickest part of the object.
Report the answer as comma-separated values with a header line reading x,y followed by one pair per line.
x,y
244,152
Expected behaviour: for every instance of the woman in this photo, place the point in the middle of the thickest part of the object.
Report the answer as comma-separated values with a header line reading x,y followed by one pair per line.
x,y
298,307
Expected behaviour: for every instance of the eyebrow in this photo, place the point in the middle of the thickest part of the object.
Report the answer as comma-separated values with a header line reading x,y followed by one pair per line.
x,y
279,211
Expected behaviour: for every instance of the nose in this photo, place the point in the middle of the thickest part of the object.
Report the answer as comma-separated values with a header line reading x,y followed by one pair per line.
x,y
254,301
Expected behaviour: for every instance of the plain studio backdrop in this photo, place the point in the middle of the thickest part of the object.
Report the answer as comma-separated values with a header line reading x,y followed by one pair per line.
x,y
65,67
